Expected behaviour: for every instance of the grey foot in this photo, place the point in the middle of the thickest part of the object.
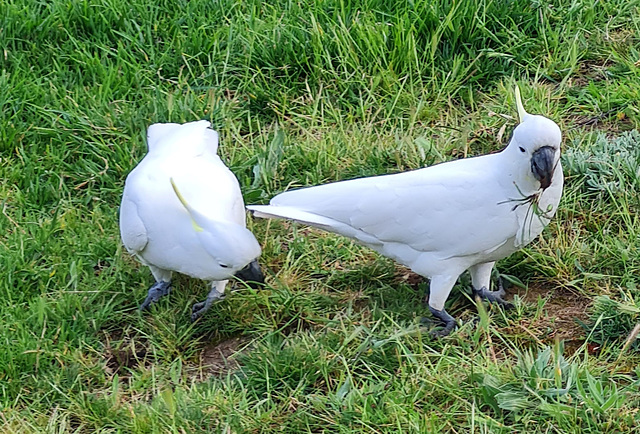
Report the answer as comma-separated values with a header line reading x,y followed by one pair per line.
x,y
158,290
449,323
493,296
200,308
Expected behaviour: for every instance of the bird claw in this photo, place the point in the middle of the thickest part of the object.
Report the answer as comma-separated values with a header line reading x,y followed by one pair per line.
x,y
200,308
441,333
444,317
493,296
158,290
427,321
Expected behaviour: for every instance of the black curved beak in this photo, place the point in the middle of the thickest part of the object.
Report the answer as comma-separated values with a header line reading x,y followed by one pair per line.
x,y
542,165
251,274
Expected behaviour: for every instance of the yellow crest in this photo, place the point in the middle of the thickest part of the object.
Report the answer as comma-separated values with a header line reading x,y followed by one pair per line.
x,y
521,112
184,203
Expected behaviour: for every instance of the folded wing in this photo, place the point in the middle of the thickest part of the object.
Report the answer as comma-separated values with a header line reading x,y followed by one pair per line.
x,y
453,209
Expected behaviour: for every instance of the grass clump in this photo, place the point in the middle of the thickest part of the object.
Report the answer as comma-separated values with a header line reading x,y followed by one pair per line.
x,y
608,167
546,386
305,93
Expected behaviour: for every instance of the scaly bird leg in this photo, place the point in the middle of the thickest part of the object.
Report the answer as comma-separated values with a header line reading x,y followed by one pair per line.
x,y
439,290
448,320
492,296
216,294
158,290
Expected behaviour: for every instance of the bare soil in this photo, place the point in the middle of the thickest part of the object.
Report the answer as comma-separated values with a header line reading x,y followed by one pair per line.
x,y
563,312
123,352
219,358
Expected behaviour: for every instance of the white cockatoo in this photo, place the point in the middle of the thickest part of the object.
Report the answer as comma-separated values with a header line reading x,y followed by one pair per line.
x,y
442,220
182,210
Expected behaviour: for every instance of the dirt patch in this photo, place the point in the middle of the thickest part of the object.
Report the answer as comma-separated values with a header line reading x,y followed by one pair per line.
x,y
405,275
123,352
220,358
561,314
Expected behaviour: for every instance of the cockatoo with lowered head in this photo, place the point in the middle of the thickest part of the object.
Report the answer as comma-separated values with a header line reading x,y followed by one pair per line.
x,y
182,210
448,218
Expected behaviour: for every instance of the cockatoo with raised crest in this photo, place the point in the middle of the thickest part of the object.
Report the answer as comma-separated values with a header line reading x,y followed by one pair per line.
x,y
444,219
182,210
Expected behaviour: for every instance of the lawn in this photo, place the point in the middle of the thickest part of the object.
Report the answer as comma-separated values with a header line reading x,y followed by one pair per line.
x,y
304,93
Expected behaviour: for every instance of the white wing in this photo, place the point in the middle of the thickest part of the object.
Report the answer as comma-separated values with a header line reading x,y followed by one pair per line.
x,y
132,229
455,209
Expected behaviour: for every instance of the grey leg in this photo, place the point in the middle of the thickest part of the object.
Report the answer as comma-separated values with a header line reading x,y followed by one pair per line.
x,y
481,278
493,296
159,289
439,290
216,294
448,320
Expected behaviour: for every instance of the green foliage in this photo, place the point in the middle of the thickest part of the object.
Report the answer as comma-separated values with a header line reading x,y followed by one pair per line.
x,y
604,180
304,93
548,386
616,319
608,167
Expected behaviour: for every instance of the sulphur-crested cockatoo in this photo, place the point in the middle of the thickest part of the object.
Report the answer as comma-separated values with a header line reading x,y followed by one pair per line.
x,y
448,218
182,210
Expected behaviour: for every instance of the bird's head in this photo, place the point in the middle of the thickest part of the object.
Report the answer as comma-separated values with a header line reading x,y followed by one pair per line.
x,y
232,247
252,275
537,140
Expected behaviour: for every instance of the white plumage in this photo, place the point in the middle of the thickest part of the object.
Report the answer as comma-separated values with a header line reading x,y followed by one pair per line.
x,y
448,218
205,236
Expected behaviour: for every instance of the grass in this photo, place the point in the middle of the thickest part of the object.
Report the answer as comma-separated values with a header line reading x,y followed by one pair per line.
x,y
304,93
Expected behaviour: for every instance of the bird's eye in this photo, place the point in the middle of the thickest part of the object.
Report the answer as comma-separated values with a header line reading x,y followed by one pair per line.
x,y
224,265
521,149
